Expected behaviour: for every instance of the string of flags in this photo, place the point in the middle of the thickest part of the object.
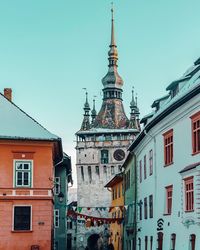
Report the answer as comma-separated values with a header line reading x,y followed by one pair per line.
x,y
91,221
109,209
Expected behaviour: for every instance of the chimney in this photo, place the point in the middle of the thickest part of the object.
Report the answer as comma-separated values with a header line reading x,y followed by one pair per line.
x,y
8,93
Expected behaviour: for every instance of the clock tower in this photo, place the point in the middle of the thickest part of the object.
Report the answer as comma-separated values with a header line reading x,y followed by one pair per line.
x,y
101,146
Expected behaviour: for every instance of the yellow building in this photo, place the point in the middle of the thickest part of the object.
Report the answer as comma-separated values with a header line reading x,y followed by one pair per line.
x,y
115,185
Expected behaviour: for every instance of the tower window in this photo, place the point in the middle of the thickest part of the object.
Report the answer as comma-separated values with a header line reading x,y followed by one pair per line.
x,y
104,156
82,173
97,170
90,174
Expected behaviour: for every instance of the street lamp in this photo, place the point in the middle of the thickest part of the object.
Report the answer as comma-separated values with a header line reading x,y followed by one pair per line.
x,y
61,196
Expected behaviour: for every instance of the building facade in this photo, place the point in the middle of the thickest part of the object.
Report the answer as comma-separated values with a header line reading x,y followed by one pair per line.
x,y
102,144
63,176
115,186
168,169
28,154
129,180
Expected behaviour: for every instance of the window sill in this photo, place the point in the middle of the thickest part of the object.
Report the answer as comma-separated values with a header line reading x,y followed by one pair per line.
x,y
189,211
22,231
166,214
169,164
196,153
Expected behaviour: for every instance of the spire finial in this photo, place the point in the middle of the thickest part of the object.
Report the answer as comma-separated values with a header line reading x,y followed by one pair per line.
x,y
136,97
112,27
112,10
132,93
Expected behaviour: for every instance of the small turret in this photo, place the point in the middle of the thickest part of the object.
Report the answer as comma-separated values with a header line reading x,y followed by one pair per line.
x,y
134,115
93,113
86,117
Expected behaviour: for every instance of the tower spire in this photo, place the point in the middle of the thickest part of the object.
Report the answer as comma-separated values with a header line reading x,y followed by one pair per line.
x,y
93,112
134,115
86,117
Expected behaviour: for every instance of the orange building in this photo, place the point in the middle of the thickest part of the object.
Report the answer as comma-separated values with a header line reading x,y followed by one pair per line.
x,y
28,154
116,229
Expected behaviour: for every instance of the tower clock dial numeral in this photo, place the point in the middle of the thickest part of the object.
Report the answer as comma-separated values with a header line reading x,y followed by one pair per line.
x,y
119,155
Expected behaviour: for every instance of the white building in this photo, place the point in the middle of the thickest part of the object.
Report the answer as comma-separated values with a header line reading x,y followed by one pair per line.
x,y
168,169
102,147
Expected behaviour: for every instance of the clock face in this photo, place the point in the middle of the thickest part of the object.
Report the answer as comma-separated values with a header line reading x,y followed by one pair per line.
x,y
119,154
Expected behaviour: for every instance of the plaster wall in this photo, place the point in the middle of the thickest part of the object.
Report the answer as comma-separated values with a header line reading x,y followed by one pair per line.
x,y
163,176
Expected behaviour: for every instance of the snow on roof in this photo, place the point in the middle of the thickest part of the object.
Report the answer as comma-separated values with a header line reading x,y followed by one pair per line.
x,y
16,124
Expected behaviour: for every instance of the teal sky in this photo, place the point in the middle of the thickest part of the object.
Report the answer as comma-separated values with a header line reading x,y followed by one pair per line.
x,y
50,50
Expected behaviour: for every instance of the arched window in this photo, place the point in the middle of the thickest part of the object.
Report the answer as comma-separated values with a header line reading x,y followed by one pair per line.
x,y
104,156
82,173
146,242
112,170
90,174
192,241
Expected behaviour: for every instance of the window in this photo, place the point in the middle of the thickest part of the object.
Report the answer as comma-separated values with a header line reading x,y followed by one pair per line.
x,y
173,241
196,133
22,218
151,162
146,242
168,147
97,170
23,173
57,185
90,174
140,170
104,156
169,192
139,243
150,206
56,218
160,241
145,207
69,224
145,168
189,194
140,205
151,242
82,173
105,170
192,241
112,170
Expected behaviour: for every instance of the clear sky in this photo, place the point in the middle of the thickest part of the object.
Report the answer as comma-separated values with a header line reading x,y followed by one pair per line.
x,y
50,50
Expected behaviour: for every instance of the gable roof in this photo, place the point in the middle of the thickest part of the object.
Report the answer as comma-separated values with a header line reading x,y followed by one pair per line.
x,y
16,124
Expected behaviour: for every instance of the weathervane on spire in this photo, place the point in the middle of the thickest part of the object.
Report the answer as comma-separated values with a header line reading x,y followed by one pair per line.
x,y
112,10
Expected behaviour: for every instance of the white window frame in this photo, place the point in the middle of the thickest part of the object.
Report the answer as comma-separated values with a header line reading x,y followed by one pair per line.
x,y
56,216
57,186
30,162
13,217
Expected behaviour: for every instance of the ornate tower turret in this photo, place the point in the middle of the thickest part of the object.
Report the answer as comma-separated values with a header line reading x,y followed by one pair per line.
x,y
133,107
93,113
86,117
112,114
